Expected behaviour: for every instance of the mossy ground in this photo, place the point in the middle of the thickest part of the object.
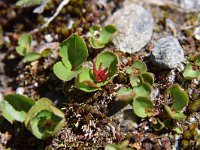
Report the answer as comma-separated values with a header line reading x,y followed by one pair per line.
x,y
88,125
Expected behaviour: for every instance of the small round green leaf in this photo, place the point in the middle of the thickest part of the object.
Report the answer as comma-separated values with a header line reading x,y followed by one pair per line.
x,y
21,50
181,98
189,73
134,80
148,77
46,52
142,106
143,89
31,57
28,3
44,120
111,147
139,67
128,70
95,43
94,28
125,94
25,40
107,33
64,73
15,107
74,51
104,38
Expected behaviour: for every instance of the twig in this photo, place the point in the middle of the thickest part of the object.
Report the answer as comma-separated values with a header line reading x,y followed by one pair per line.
x,y
189,27
40,8
62,4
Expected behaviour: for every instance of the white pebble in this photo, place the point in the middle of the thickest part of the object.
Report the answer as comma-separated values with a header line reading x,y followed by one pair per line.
x,y
48,38
20,90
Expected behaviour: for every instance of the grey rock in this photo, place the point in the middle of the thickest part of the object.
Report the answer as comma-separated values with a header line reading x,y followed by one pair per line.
x,y
186,5
190,5
125,120
134,25
167,53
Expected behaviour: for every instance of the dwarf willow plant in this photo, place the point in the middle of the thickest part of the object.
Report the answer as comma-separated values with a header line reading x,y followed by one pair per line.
x,y
192,69
24,49
139,94
101,37
73,53
175,111
40,117
104,69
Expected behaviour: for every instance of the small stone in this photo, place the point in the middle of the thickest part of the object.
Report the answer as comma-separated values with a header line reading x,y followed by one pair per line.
x,y
125,119
190,5
70,23
197,33
48,38
167,53
134,27
20,90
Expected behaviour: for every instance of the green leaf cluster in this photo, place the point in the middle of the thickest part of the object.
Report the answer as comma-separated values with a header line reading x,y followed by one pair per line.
x,y
122,146
192,69
101,37
139,94
24,50
86,81
40,117
174,112
74,53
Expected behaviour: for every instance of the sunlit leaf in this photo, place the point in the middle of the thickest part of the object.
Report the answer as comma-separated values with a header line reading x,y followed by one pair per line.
x,y
31,57
28,3
105,36
189,73
125,94
25,40
180,97
64,72
142,106
15,107
44,119
143,89
74,51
